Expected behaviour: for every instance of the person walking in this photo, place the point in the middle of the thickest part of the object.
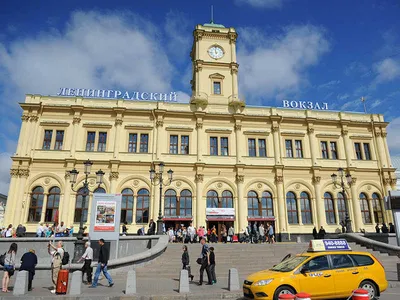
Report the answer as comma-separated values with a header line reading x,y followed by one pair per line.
x,y
192,232
57,254
205,262
262,233
224,234
102,265
186,262
28,263
88,258
9,266
212,266
231,233
124,229
271,237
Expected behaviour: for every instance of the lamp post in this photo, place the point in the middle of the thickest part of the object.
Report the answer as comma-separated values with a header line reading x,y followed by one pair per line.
x,y
158,180
79,245
342,185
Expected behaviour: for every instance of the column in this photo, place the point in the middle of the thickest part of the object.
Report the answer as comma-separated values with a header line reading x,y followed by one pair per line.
x,y
113,182
319,203
76,121
357,219
238,128
313,145
118,126
277,143
22,135
45,199
19,200
33,129
242,203
199,128
381,151
159,124
347,146
65,212
234,71
200,202
12,197
282,224
384,135
371,211
156,199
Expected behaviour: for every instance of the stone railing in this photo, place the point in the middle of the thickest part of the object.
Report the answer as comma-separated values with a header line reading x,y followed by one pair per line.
x,y
360,239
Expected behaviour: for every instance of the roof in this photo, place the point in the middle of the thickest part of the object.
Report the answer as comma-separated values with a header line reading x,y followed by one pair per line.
x,y
396,162
213,25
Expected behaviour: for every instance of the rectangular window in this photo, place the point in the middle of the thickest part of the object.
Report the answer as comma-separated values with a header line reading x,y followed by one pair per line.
x,y
324,149
101,146
90,141
132,146
262,149
289,148
217,88
224,146
357,147
144,143
252,147
367,152
47,139
334,154
184,144
299,149
59,140
213,146
173,144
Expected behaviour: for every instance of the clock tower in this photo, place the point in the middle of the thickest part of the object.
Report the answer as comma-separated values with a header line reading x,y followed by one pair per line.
x,y
214,66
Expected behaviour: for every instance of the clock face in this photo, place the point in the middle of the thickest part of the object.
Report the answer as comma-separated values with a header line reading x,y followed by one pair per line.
x,y
216,52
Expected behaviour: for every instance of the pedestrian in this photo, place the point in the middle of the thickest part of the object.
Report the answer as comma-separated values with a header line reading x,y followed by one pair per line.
x,y
40,230
315,233
28,263
152,228
87,257
385,229
212,266
186,262
391,228
205,262
321,233
124,229
231,233
9,231
255,232
102,265
140,231
21,230
214,238
57,254
60,229
9,266
224,234
71,231
192,232
271,236
377,229
262,233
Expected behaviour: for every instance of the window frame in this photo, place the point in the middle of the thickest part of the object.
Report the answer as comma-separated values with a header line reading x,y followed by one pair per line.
x,y
170,198
251,145
59,143
132,142
367,151
341,206
83,211
47,140
37,209
144,143
262,151
183,199
226,199
306,208
173,143
269,204
125,200
378,213
143,208
185,146
214,146
253,207
292,213
289,148
324,150
224,147
102,141
52,198
358,151
219,84
329,209
299,150
90,145
334,150
365,211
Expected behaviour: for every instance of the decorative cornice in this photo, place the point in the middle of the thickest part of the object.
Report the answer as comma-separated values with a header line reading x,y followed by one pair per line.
x,y
238,127
118,121
275,128
14,172
199,125
34,118
23,173
25,118
198,35
344,132
310,130
278,179
199,177
232,37
114,175
160,123
316,179
239,178
76,120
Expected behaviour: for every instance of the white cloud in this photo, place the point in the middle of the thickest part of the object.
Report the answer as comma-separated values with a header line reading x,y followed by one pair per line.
x,y
279,64
393,136
342,97
5,163
329,85
387,69
261,3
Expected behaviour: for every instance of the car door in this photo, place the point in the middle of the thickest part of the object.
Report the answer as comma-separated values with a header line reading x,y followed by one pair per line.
x,y
346,274
315,277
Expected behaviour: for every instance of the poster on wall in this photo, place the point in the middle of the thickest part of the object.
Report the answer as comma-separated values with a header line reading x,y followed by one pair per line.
x,y
105,216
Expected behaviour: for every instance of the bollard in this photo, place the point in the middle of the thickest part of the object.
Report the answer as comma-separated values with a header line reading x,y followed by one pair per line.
x,y
75,288
360,294
398,271
184,282
130,288
21,283
287,296
233,280
303,296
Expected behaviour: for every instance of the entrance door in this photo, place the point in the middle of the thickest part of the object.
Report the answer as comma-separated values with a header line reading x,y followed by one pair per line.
x,y
218,226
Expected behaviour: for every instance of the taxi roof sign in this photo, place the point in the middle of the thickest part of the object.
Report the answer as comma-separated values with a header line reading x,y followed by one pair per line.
x,y
328,245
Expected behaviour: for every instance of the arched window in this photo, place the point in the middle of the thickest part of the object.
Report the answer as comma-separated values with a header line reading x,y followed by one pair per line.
x,y
227,199
53,202
305,205
365,213
329,209
341,206
127,206
185,203
267,205
142,206
80,211
376,205
212,199
252,204
291,204
170,201
36,205
99,190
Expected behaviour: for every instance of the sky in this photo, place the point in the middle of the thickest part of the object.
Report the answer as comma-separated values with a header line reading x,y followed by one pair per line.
x,y
309,50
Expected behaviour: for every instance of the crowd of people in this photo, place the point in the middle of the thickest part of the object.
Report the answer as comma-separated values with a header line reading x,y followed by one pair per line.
x,y
384,228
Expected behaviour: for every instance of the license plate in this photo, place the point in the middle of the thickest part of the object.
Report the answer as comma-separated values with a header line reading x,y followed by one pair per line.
x,y
246,291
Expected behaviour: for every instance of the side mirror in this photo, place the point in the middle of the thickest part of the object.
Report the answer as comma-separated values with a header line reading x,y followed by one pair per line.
x,y
304,270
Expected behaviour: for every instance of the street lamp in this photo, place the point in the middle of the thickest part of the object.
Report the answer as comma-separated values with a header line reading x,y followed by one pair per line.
x,y
79,245
158,180
346,222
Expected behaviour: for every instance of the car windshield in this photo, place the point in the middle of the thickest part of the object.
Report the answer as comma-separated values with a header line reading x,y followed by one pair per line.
x,y
289,264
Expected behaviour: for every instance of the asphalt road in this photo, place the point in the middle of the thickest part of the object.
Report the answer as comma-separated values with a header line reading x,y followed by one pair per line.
x,y
391,294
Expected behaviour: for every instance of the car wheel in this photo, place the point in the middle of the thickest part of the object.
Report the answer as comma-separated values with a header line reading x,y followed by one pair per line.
x,y
283,290
370,287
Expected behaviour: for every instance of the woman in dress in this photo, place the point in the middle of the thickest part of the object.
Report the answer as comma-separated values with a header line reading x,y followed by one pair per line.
x,y
9,266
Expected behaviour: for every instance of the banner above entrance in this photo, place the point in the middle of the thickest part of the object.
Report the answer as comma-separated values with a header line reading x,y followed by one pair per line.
x,y
220,211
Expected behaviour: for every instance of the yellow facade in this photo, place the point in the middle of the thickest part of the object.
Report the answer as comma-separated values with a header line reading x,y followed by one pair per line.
x,y
216,112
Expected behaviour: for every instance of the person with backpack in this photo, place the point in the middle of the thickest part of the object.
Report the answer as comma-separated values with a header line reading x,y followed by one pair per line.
x,y
57,255
9,266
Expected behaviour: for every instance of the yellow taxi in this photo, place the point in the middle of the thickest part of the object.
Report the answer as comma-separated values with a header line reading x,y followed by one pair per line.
x,y
328,270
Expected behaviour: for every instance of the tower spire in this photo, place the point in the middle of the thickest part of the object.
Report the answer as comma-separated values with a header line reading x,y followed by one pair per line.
x,y
212,14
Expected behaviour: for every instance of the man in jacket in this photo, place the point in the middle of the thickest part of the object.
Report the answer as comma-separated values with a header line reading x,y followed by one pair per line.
x,y
102,265
152,228
28,263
